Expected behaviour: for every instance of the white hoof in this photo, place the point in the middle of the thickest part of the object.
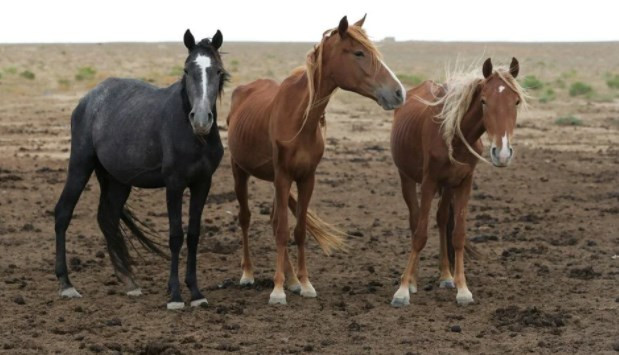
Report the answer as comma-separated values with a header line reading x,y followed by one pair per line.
x,y
198,303
308,290
412,289
246,280
135,293
70,292
277,297
464,297
175,305
401,297
447,284
295,288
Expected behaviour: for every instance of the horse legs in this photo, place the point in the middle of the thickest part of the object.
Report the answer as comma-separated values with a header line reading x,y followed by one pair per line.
x,y
196,205
282,191
81,166
305,187
292,282
111,202
420,236
240,188
174,199
461,199
442,218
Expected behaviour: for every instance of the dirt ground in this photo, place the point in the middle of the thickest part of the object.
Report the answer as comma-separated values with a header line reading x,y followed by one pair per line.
x,y
547,225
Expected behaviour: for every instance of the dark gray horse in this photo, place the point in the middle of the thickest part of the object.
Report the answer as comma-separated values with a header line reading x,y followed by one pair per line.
x,y
134,134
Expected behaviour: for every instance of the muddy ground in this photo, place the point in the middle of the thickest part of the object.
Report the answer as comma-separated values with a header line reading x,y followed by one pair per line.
x,y
546,226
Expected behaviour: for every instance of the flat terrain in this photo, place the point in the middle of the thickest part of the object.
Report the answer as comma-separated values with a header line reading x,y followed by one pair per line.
x,y
546,226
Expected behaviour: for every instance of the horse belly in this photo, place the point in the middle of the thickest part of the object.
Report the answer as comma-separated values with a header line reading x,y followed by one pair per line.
x,y
251,148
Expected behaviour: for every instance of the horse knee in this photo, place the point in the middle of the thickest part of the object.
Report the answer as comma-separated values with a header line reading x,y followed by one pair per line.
x,y
299,234
458,241
244,218
419,241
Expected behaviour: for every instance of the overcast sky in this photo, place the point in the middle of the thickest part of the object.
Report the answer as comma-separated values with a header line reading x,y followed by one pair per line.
x,y
28,21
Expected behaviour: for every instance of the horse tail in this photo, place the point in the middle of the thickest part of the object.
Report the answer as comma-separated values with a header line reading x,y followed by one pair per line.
x,y
143,233
328,237
470,251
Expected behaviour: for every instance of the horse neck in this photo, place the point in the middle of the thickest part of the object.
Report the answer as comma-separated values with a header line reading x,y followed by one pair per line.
x,y
323,89
472,125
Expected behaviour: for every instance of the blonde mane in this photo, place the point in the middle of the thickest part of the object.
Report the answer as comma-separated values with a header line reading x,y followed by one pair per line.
x,y
460,89
313,67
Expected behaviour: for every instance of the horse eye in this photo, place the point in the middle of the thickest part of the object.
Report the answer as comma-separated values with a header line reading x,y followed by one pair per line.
x,y
483,102
185,71
220,72
359,54
517,102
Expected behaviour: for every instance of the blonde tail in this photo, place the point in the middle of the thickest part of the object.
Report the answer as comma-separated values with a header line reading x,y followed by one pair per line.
x,y
328,237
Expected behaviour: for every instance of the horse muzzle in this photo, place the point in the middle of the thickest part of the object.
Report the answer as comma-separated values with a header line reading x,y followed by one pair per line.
x,y
389,98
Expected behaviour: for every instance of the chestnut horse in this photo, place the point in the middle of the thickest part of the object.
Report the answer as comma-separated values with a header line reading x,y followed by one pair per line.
x,y
275,135
436,142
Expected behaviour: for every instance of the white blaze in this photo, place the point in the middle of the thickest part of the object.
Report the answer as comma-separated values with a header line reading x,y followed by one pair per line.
x,y
396,79
501,88
203,62
504,153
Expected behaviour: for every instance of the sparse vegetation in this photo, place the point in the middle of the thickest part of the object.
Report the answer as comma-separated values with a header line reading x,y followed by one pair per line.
x,y
613,81
410,79
85,73
10,70
531,82
569,121
547,95
64,83
559,83
177,70
579,88
27,74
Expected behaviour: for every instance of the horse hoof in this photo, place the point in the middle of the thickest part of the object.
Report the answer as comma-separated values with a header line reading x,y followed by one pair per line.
x,y
447,284
400,302
308,291
70,292
246,280
199,303
277,297
175,305
412,289
135,293
295,288
464,297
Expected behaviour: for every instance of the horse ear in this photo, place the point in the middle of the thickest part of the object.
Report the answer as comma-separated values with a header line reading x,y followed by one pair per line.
x,y
190,42
360,22
487,69
514,67
217,40
343,27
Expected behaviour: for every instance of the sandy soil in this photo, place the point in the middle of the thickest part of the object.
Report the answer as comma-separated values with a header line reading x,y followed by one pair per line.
x,y
547,225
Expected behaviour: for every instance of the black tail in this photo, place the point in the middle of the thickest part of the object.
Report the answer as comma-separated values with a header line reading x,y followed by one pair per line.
x,y
141,231
116,237
470,251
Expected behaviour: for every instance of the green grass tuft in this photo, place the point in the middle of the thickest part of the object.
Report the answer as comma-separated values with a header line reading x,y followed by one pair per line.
x,y
569,121
531,82
410,79
27,74
85,73
613,81
579,88
547,95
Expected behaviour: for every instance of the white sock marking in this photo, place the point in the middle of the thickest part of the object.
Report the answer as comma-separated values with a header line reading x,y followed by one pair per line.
x,y
203,62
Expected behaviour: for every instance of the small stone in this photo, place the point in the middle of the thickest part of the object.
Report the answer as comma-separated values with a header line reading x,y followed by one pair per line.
x,y
113,322
456,328
100,254
19,300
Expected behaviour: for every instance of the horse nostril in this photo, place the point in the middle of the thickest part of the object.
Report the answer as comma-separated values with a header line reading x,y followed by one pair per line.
x,y
192,115
398,93
493,151
511,151
209,116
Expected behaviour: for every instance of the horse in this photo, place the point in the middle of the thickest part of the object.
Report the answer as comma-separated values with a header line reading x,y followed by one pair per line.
x,y
134,134
274,134
436,142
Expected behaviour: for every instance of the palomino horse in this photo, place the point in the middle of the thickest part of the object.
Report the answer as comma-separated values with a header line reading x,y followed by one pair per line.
x,y
274,134
134,134
436,142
